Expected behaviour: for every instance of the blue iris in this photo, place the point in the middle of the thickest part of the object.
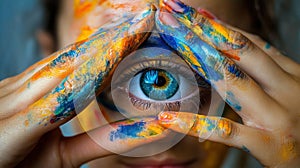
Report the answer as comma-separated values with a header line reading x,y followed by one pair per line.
x,y
158,84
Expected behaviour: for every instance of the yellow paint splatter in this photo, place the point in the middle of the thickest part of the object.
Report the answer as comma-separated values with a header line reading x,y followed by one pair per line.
x,y
85,32
186,51
151,130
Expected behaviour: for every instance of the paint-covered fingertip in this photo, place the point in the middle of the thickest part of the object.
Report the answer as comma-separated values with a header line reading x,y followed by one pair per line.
x,y
176,6
181,122
148,11
167,116
165,18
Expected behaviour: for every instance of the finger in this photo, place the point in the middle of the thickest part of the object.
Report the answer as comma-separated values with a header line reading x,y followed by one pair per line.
x,y
280,94
239,90
283,61
231,133
236,46
100,54
9,85
111,139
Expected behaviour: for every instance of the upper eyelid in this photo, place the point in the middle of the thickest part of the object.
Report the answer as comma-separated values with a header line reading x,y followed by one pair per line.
x,y
166,64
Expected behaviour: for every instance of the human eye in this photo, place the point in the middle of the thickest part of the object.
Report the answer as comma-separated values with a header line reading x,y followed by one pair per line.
x,y
160,88
147,86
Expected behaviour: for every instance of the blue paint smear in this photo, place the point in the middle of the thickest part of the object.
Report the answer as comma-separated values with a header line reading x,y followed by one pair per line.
x,y
187,10
211,125
232,101
233,69
189,13
205,54
127,131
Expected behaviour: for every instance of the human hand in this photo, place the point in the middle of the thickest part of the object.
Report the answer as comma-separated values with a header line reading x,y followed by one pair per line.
x,y
35,103
258,82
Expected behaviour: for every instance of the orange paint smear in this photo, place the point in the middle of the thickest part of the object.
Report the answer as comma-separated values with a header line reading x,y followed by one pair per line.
x,y
124,6
86,31
220,29
38,65
197,125
59,72
81,8
232,56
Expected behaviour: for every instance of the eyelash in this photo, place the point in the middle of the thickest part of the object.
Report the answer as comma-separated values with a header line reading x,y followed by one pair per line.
x,y
149,64
145,104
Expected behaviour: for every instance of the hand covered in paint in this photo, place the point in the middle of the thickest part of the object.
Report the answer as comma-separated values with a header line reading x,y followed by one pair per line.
x,y
258,82
34,103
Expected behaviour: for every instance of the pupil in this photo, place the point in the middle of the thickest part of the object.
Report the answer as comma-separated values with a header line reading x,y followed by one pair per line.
x,y
161,81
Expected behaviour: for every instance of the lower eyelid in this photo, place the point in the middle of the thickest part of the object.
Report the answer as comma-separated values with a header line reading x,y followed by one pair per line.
x,y
141,104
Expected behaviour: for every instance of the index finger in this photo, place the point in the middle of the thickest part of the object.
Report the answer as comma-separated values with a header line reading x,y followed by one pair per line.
x,y
232,44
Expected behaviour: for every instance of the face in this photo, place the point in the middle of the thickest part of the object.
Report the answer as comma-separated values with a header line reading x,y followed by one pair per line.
x,y
77,21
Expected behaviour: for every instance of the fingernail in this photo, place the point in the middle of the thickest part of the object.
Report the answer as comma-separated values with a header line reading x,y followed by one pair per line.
x,y
207,14
167,116
167,19
144,13
176,5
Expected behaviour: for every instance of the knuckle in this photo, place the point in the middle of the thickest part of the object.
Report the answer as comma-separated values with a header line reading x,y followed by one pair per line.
x,y
232,72
239,41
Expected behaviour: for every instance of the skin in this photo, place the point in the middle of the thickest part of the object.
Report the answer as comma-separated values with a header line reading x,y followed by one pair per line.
x,y
275,122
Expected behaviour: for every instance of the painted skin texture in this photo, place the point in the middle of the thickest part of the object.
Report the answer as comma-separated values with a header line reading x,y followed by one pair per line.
x,y
131,129
197,125
196,48
92,75
209,29
104,11
191,44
